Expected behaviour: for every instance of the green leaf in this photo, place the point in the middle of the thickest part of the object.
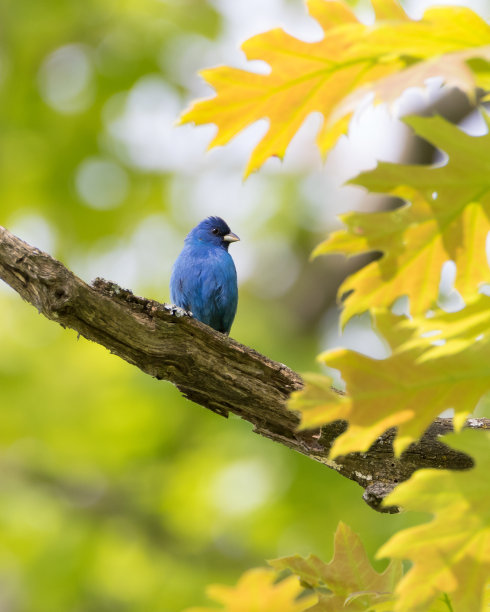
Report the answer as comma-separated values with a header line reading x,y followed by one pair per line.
x,y
354,584
406,390
318,403
445,217
451,553
451,333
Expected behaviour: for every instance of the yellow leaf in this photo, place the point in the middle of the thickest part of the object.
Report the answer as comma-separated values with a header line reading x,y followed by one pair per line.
x,y
447,218
388,9
355,586
452,332
403,391
258,591
316,400
331,76
451,553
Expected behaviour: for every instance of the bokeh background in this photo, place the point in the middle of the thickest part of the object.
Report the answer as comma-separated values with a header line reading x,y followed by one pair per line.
x,y
116,494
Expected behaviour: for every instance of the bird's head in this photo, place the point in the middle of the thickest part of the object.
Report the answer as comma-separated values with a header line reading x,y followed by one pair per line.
x,y
213,230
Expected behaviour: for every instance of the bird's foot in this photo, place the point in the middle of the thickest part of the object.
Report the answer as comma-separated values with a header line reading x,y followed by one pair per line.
x,y
177,311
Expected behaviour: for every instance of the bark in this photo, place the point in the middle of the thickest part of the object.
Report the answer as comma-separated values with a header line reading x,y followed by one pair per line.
x,y
210,368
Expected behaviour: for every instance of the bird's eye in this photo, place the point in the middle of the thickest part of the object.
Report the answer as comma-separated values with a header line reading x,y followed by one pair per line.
x,y
215,230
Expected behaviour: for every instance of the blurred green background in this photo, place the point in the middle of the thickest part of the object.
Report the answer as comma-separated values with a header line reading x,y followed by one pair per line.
x,y
116,494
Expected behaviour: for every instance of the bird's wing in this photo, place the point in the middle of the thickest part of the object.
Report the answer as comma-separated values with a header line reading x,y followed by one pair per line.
x,y
220,289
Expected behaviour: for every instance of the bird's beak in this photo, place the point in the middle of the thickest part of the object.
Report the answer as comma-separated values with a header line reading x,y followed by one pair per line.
x,y
231,237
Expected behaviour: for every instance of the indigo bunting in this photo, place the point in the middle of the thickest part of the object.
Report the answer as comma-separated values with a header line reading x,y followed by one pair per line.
x,y
204,277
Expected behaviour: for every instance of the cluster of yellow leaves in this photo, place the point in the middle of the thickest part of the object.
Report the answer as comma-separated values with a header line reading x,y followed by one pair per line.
x,y
450,555
408,390
333,75
447,217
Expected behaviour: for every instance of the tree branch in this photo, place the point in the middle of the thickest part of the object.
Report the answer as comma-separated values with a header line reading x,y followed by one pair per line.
x,y
209,368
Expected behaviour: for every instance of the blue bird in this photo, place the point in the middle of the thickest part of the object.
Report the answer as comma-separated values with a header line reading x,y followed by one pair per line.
x,y
204,277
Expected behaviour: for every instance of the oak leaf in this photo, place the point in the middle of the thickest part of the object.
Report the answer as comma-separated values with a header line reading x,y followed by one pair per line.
x,y
452,552
333,75
257,590
354,585
446,217
451,333
403,391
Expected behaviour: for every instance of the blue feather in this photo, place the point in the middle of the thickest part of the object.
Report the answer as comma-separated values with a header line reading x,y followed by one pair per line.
x,y
204,277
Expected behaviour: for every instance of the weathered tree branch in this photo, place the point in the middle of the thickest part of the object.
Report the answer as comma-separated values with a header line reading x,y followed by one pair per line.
x,y
209,368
